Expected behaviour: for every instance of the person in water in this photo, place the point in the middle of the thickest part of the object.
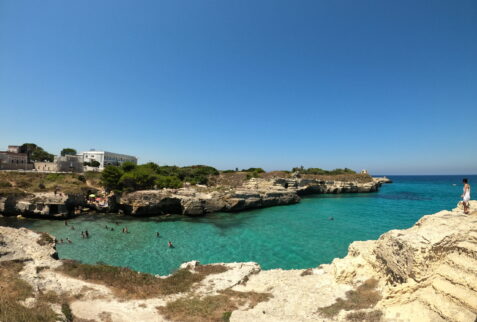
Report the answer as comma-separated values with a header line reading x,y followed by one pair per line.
x,y
82,234
157,234
169,243
466,195
86,234
68,240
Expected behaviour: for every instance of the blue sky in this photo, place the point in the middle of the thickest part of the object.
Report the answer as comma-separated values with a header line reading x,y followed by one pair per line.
x,y
390,86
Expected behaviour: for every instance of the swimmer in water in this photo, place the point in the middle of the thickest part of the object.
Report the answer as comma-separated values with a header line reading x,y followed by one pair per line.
x,y
169,243
157,234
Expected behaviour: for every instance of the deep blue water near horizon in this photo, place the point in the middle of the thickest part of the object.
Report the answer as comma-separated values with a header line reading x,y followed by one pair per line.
x,y
294,236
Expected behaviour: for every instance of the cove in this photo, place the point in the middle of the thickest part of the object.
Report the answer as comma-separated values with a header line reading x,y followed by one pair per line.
x,y
295,236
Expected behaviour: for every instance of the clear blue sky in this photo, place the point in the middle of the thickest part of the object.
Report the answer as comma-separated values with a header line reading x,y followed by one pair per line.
x,y
390,86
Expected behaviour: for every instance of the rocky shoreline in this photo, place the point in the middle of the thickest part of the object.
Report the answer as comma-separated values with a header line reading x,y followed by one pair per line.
x,y
191,200
424,273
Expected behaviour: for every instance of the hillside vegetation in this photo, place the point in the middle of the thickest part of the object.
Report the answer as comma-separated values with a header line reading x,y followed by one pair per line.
x,y
130,177
30,182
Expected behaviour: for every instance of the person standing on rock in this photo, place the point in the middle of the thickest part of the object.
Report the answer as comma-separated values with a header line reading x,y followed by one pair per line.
x,y
466,195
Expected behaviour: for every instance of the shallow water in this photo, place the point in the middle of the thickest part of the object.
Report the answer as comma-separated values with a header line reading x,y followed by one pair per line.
x,y
296,236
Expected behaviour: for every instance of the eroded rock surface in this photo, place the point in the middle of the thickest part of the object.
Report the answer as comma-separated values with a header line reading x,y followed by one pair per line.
x,y
255,193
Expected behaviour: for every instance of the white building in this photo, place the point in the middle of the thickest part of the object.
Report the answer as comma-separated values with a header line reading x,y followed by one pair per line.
x,y
106,158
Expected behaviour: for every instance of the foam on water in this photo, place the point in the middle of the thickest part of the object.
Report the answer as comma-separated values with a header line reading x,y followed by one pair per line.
x,y
296,236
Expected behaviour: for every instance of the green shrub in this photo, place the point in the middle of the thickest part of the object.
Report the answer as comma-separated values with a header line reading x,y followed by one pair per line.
x,y
93,164
54,177
110,177
66,310
130,177
68,151
257,170
168,182
319,171
141,178
5,184
128,166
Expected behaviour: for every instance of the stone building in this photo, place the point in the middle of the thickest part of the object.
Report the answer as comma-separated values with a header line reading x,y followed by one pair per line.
x,y
12,159
45,166
69,163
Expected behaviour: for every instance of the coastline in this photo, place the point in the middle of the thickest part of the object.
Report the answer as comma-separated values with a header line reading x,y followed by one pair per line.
x,y
422,274
190,201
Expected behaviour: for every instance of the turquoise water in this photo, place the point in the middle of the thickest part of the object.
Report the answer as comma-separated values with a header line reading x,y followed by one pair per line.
x,y
295,236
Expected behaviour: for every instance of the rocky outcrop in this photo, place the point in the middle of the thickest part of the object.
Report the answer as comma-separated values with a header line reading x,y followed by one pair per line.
x,y
382,180
425,273
306,186
44,204
192,202
255,193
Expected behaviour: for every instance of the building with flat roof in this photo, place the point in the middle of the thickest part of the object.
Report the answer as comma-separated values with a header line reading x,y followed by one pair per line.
x,y
12,159
105,158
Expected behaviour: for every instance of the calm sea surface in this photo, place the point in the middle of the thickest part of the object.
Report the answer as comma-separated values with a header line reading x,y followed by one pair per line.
x,y
295,236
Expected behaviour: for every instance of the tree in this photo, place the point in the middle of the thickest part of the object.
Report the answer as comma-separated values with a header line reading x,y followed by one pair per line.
x,y
68,151
110,177
128,166
35,153
93,163
141,178
168,182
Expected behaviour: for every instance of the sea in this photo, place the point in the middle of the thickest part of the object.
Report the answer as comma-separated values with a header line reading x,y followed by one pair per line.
x,y
312,232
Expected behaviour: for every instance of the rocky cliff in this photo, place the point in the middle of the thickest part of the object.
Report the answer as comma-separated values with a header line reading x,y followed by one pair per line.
x,y
255,193
191,200
40,204
425,273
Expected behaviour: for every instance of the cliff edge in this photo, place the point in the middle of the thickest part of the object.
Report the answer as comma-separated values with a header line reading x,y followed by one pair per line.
x,y
425,273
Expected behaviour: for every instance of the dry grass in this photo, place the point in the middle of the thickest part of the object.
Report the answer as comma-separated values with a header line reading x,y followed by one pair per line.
x,y
237,179
128,284
365,316
364,297
30,182
211,308
45,239
13,289
275,174
210,269
357,177
306,272
232,179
